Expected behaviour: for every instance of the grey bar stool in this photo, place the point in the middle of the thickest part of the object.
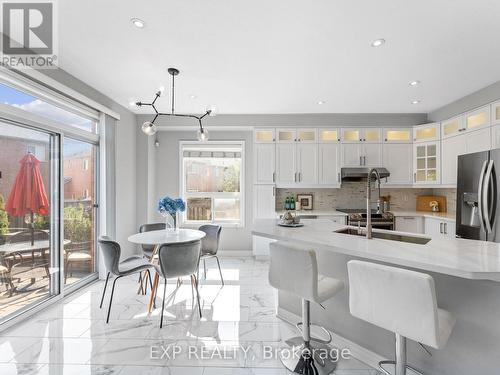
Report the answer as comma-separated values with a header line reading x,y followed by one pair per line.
x,y
111,251
401,301
178,260
210,246
294,269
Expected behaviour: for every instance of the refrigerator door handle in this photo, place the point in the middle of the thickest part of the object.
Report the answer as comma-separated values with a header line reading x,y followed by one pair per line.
x,y
480,194
486,204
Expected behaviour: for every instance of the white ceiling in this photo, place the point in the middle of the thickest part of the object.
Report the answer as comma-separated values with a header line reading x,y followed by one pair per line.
x,y
284,56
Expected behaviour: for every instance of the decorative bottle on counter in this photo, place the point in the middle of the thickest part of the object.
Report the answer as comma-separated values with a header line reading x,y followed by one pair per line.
x,y
292,204
287,203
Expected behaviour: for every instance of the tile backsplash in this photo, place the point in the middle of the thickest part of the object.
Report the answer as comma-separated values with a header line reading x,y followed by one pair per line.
x,y
352,194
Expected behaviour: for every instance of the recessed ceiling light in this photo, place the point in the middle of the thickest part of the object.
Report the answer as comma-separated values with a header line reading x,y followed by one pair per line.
x,y
138,22
132,103
415,101
378,42
321,102
414,83
192,96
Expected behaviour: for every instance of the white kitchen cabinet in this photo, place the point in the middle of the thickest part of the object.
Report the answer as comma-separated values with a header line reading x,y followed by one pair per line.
x,y
264,163
355,135
328,135
361,154
352,154
398,160
495,113
426,132
410,224
307,164
286,135
329,164
264,135
426,163
464,143
478,118
286,171
495,136
340,219
451,149
436,227
452,127
264,201
397,135
307,135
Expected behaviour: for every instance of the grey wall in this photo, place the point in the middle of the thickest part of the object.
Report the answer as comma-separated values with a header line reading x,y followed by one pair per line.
x,y
477,99
123,211
166,180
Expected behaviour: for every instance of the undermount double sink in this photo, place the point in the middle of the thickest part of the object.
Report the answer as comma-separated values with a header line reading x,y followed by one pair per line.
x,y
386,236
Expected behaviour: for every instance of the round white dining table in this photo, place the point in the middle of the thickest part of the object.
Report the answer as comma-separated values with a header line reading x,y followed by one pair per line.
x,y
158,238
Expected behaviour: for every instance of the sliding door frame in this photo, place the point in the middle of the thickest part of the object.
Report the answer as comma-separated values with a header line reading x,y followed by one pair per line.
x,y
58,131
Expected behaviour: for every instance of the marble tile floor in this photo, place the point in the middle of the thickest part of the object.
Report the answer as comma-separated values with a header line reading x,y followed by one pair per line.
x,y
238,323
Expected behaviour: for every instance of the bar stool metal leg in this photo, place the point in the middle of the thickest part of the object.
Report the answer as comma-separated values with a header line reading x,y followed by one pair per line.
x,y
308,355
400,364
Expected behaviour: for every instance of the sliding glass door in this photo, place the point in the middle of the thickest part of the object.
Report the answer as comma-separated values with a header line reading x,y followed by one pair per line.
x,y
79,167
29,263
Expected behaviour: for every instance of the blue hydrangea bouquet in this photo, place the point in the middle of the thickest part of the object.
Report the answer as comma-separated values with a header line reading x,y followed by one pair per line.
x,y
169,209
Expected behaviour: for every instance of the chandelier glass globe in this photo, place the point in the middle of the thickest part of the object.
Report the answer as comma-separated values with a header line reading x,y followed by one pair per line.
x,y
149,128
202,135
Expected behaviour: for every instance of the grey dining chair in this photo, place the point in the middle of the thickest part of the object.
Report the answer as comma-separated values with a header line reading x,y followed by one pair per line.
x,y
147,250
178,260
210,246
111,251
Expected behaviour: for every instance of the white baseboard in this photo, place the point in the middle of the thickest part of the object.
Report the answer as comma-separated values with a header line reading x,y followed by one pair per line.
x,y
364,355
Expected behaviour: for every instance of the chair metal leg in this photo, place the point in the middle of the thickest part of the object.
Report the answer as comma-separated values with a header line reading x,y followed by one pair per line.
x,y
163,303
111,298
220,270
204,269
104,290
197,294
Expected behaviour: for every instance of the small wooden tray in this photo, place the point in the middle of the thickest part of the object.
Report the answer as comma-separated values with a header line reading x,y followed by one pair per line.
x,y
423,202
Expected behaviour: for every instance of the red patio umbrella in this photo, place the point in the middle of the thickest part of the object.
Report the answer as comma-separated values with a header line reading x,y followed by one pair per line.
x,y
28,192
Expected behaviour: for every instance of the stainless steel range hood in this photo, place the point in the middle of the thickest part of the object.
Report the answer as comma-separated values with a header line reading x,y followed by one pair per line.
x,y
355,174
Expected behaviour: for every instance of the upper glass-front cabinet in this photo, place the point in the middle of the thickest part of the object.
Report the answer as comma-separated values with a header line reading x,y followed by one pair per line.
x,y
478,118
453,126
353,135
328,135
495,113
264,135
286,135
425,133
426,163
397,135
307,135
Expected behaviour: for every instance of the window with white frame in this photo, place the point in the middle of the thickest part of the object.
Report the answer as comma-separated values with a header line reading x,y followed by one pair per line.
x,y
212,182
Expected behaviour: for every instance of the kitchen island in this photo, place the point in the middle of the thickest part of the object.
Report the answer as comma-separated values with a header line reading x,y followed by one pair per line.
x,y
466,273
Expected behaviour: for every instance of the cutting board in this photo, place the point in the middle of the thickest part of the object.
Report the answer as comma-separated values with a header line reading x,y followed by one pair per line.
x,y
423,202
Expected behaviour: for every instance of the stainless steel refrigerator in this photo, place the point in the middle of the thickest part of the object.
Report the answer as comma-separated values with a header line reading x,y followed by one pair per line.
x,y
477,201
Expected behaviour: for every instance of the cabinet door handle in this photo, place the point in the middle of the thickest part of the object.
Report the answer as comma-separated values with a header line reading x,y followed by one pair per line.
x,y
300,176
364,160
360,160
274,191
295,177
338,177
445,228
409,218
441,228
274,176
415,177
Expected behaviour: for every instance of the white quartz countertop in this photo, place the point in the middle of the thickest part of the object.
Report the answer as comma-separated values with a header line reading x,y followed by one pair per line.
x,y
470,259
315,213
440,215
